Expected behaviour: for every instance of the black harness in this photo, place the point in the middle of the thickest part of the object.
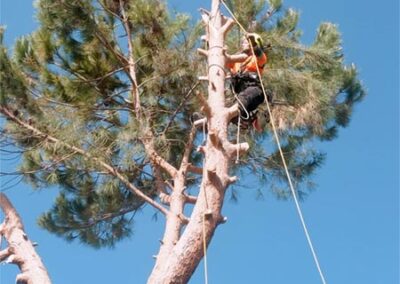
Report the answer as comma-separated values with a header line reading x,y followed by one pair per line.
x,y
241,81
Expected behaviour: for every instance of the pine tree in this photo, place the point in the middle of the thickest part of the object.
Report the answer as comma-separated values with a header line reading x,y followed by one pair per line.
x,y
100,98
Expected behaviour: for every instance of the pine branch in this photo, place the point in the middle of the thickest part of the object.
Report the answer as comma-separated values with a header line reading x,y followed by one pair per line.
x,y
156,158
184,100
131,60
106,217
111,170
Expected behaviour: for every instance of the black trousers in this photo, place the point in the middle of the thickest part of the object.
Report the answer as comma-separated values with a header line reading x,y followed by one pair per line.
x,y
250,98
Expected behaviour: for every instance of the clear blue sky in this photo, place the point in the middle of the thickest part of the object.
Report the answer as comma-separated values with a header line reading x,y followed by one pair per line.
x,y
353,216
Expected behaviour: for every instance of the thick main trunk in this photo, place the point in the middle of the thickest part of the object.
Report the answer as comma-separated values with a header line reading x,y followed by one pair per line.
x,y
177,264
188,252
20,247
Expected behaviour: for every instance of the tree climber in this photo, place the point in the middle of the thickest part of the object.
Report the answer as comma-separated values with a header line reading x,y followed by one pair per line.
x,y
245,82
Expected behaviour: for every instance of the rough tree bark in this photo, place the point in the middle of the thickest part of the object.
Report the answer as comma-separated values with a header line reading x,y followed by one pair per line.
x,y
180,254
20,250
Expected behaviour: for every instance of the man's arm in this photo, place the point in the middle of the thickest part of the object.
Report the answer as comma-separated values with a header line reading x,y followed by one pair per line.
x,y
234,58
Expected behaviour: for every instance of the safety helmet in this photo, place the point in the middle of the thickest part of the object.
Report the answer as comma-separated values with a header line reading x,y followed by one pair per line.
x,y
255,40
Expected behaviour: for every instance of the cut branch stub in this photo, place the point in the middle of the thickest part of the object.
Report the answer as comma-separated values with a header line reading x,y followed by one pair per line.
x,y
205,106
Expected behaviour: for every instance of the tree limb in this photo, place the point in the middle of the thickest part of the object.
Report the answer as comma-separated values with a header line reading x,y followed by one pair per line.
x,y
111,170
202,51
132,65
179,107
190,199
188,150
227,25
203,101
157,159
195,170
5,253
205,16
20,250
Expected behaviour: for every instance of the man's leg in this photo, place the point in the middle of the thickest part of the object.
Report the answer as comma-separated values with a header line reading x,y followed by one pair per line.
x,y
250,99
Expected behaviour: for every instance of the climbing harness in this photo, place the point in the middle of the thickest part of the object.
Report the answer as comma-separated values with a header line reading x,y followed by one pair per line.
x,y
299,211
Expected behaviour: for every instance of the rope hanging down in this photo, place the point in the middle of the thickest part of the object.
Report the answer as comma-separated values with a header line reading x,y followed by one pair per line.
x,y
299,211
205,250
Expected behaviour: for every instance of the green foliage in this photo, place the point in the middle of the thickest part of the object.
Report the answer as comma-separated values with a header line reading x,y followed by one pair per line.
x,y
70,79
275,5
316,91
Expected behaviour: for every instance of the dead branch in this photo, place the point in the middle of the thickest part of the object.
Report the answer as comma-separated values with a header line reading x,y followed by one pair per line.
x,y
191,199
202,51
195,170
188,150
203,101
20,250
227,25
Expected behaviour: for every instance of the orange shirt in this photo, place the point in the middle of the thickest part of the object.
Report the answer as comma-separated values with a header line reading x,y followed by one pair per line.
x,y
249,65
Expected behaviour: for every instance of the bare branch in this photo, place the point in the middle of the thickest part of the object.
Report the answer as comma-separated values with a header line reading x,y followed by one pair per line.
x,y
184,219
227,25
202,52
165,198
20,250
195,170
109,11
203,101
205,15
185,98
233,111
232,149
188,150
232,179
191,199
5,253
132,65
157,159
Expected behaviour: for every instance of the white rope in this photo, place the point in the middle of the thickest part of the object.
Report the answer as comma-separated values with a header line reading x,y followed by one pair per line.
x,y
205,250
204,131
237,140
299,211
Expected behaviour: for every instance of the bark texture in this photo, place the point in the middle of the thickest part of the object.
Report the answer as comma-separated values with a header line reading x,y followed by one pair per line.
x,y
20,250
180,253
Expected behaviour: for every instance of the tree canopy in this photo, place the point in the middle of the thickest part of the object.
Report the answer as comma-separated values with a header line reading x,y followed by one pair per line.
x,y
103,92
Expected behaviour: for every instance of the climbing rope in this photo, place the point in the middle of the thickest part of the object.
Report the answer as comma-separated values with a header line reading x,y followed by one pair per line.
x,y
205,250
299,211
205,214
237,140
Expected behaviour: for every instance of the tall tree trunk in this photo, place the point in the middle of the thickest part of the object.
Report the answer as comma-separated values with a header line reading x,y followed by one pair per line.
x,y
20,250
178,264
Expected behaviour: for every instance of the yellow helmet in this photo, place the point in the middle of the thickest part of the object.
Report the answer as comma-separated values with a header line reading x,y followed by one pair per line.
x,y
255,39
